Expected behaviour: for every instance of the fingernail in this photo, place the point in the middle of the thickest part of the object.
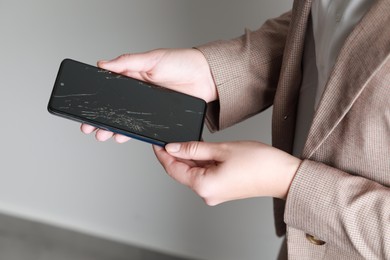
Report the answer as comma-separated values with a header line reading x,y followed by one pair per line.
x,y
157,147
173,148
101,62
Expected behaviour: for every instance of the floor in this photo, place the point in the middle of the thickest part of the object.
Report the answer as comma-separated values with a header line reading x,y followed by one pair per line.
x,y
27,240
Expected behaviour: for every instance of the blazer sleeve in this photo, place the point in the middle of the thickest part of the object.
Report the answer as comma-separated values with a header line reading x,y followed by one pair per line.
x,y
246,72
352,212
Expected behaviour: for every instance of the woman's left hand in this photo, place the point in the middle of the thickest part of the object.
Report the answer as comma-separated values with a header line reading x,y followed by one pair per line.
x,y
220,172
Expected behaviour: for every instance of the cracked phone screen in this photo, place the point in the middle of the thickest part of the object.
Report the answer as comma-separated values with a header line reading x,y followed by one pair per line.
x,y
88,94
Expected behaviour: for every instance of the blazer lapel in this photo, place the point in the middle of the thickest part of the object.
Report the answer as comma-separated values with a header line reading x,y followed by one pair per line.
x,y
286,97
357,62
287,92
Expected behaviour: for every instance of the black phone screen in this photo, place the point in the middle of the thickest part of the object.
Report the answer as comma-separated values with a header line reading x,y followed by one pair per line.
x,y
125,105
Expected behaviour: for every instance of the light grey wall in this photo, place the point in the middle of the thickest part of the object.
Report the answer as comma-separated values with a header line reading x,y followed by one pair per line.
x,y
49,171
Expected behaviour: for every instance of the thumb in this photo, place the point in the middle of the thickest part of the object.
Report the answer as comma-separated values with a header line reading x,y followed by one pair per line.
x,y
139,62
196,151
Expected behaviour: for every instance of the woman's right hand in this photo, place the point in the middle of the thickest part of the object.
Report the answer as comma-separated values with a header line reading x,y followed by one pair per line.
x,y
183,70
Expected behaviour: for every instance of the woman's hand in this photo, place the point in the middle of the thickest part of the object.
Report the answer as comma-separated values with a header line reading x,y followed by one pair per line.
x,y
220,172
183,70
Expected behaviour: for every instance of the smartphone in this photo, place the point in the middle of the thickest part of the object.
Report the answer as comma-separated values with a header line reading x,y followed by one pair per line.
x,y
124,105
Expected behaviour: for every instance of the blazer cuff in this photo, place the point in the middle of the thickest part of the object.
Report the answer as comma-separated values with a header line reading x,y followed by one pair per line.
x,y
246,72
226,66
241,92
339,208
306,205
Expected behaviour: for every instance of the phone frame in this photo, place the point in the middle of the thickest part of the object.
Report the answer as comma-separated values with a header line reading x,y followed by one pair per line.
x,y
110,128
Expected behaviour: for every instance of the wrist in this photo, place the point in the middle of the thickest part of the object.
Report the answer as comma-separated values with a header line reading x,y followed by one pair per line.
x,y
208,79
291,167
276,170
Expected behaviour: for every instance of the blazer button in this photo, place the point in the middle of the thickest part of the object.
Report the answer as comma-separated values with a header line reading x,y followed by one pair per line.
x,y
314,240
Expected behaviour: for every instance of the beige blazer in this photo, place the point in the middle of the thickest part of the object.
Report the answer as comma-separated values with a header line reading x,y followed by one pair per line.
x,y
338,206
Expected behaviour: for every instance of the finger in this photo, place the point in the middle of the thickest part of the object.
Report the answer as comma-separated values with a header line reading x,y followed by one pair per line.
x,y
121,138
139,62
191,163
197,151
103,135
87,129
179,170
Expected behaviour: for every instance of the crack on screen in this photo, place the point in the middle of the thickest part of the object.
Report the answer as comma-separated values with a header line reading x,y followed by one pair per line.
x,y
108,75
193,112
134,121
90,100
